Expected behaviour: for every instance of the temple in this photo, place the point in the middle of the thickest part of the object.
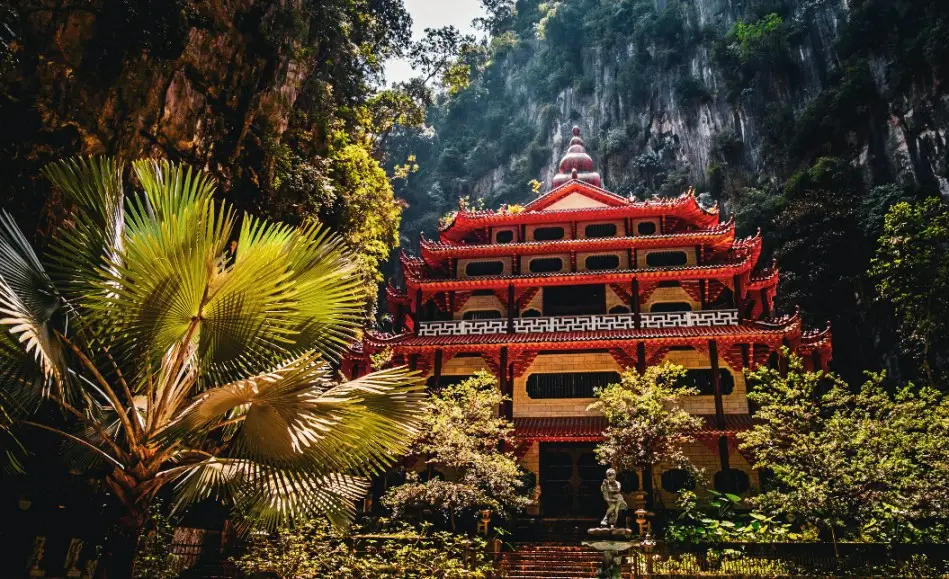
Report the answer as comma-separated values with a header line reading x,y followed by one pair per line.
x,y
557,297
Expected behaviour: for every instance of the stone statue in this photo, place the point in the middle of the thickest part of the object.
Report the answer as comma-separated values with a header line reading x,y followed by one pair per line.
x,y
613,495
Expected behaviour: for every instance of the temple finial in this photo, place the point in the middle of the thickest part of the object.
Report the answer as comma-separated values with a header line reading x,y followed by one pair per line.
x,y
577,164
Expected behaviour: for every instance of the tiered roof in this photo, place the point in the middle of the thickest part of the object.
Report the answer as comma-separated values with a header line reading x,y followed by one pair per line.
x,y
577,196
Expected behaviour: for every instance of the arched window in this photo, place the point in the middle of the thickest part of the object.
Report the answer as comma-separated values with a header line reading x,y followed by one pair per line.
x,y
619,310
666,258
569,384
670,307
548,233
702,379
646,227
479,268
600,230
531,313
732,481
545,264
669,283
481,315
677,480
602,262
504,236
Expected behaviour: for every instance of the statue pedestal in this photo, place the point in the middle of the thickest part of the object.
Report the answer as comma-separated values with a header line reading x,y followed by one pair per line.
x,y
615,533
609,542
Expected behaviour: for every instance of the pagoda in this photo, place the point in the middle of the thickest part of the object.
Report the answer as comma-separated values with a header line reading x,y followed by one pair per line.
x,y
558,297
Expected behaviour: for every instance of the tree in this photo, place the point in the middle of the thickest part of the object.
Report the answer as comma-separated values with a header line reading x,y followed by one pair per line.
x,y
911,269
176,362
462,434
860,465
645,423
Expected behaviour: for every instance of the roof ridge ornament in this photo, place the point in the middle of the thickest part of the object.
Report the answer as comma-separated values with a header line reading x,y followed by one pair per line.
x,y
576,164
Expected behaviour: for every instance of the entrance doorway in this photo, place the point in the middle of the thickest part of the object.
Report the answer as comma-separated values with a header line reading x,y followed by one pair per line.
x,y
570,481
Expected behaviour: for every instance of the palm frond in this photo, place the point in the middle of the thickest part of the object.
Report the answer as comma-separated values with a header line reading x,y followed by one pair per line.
x,y
172,188
296,416
330,293
93,238
31,307
269,497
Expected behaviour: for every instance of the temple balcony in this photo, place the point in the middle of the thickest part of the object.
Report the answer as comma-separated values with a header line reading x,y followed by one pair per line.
x,y
587,323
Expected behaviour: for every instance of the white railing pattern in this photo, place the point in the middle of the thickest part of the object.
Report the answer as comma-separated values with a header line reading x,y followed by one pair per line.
x,y
580,323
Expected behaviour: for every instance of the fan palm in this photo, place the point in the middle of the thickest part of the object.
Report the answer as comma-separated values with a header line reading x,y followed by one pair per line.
x,y
179,362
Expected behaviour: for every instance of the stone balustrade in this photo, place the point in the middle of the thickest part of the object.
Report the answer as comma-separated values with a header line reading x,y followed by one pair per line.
x,y
580,323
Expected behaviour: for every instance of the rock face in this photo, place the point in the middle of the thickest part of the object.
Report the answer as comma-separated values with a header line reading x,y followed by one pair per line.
x,y
213,84
680,114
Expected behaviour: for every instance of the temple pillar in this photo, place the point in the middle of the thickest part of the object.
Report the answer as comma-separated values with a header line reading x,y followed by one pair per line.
x,y
504,383
765,304
717,381
511,307
437,371
641,357
634,303
413,362
739,299
418,308
723,459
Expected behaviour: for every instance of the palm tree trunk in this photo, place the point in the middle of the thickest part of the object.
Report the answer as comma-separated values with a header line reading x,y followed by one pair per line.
x,y
133,500
120,553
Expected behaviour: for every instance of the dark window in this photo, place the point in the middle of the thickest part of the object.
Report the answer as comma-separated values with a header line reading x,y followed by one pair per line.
x,y
468,355
531,313
504,237
482,292
600,230
671,307
598,262
569,385
669,283
732,481
481,315
484,268
677,480
619,310
646,228
444,381
548,233
666,258
703,381
545,264
574,300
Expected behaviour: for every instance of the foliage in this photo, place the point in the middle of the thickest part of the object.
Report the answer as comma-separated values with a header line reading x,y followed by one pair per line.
x,y
911,268
721,521
317,550
859,465
645,423
755,37
461,434
155,559
176,362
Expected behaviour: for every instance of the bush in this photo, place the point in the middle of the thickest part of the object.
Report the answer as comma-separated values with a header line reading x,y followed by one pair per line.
x,y
316,550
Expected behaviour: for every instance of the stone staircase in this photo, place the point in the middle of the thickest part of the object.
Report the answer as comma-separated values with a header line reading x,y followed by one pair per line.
x,y
550,561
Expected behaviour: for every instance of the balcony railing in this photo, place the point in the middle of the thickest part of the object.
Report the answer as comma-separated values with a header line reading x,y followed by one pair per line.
x,y
580,323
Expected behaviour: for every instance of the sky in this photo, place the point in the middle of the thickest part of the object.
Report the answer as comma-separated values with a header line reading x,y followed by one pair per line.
x,y
434,14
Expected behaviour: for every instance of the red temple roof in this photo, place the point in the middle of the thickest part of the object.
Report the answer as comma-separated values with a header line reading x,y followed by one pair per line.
x,y
749,332
719,270
590,428
685,207
719,237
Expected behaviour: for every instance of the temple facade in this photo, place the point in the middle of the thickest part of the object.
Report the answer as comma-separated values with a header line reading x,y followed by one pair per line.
x,y
557,297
